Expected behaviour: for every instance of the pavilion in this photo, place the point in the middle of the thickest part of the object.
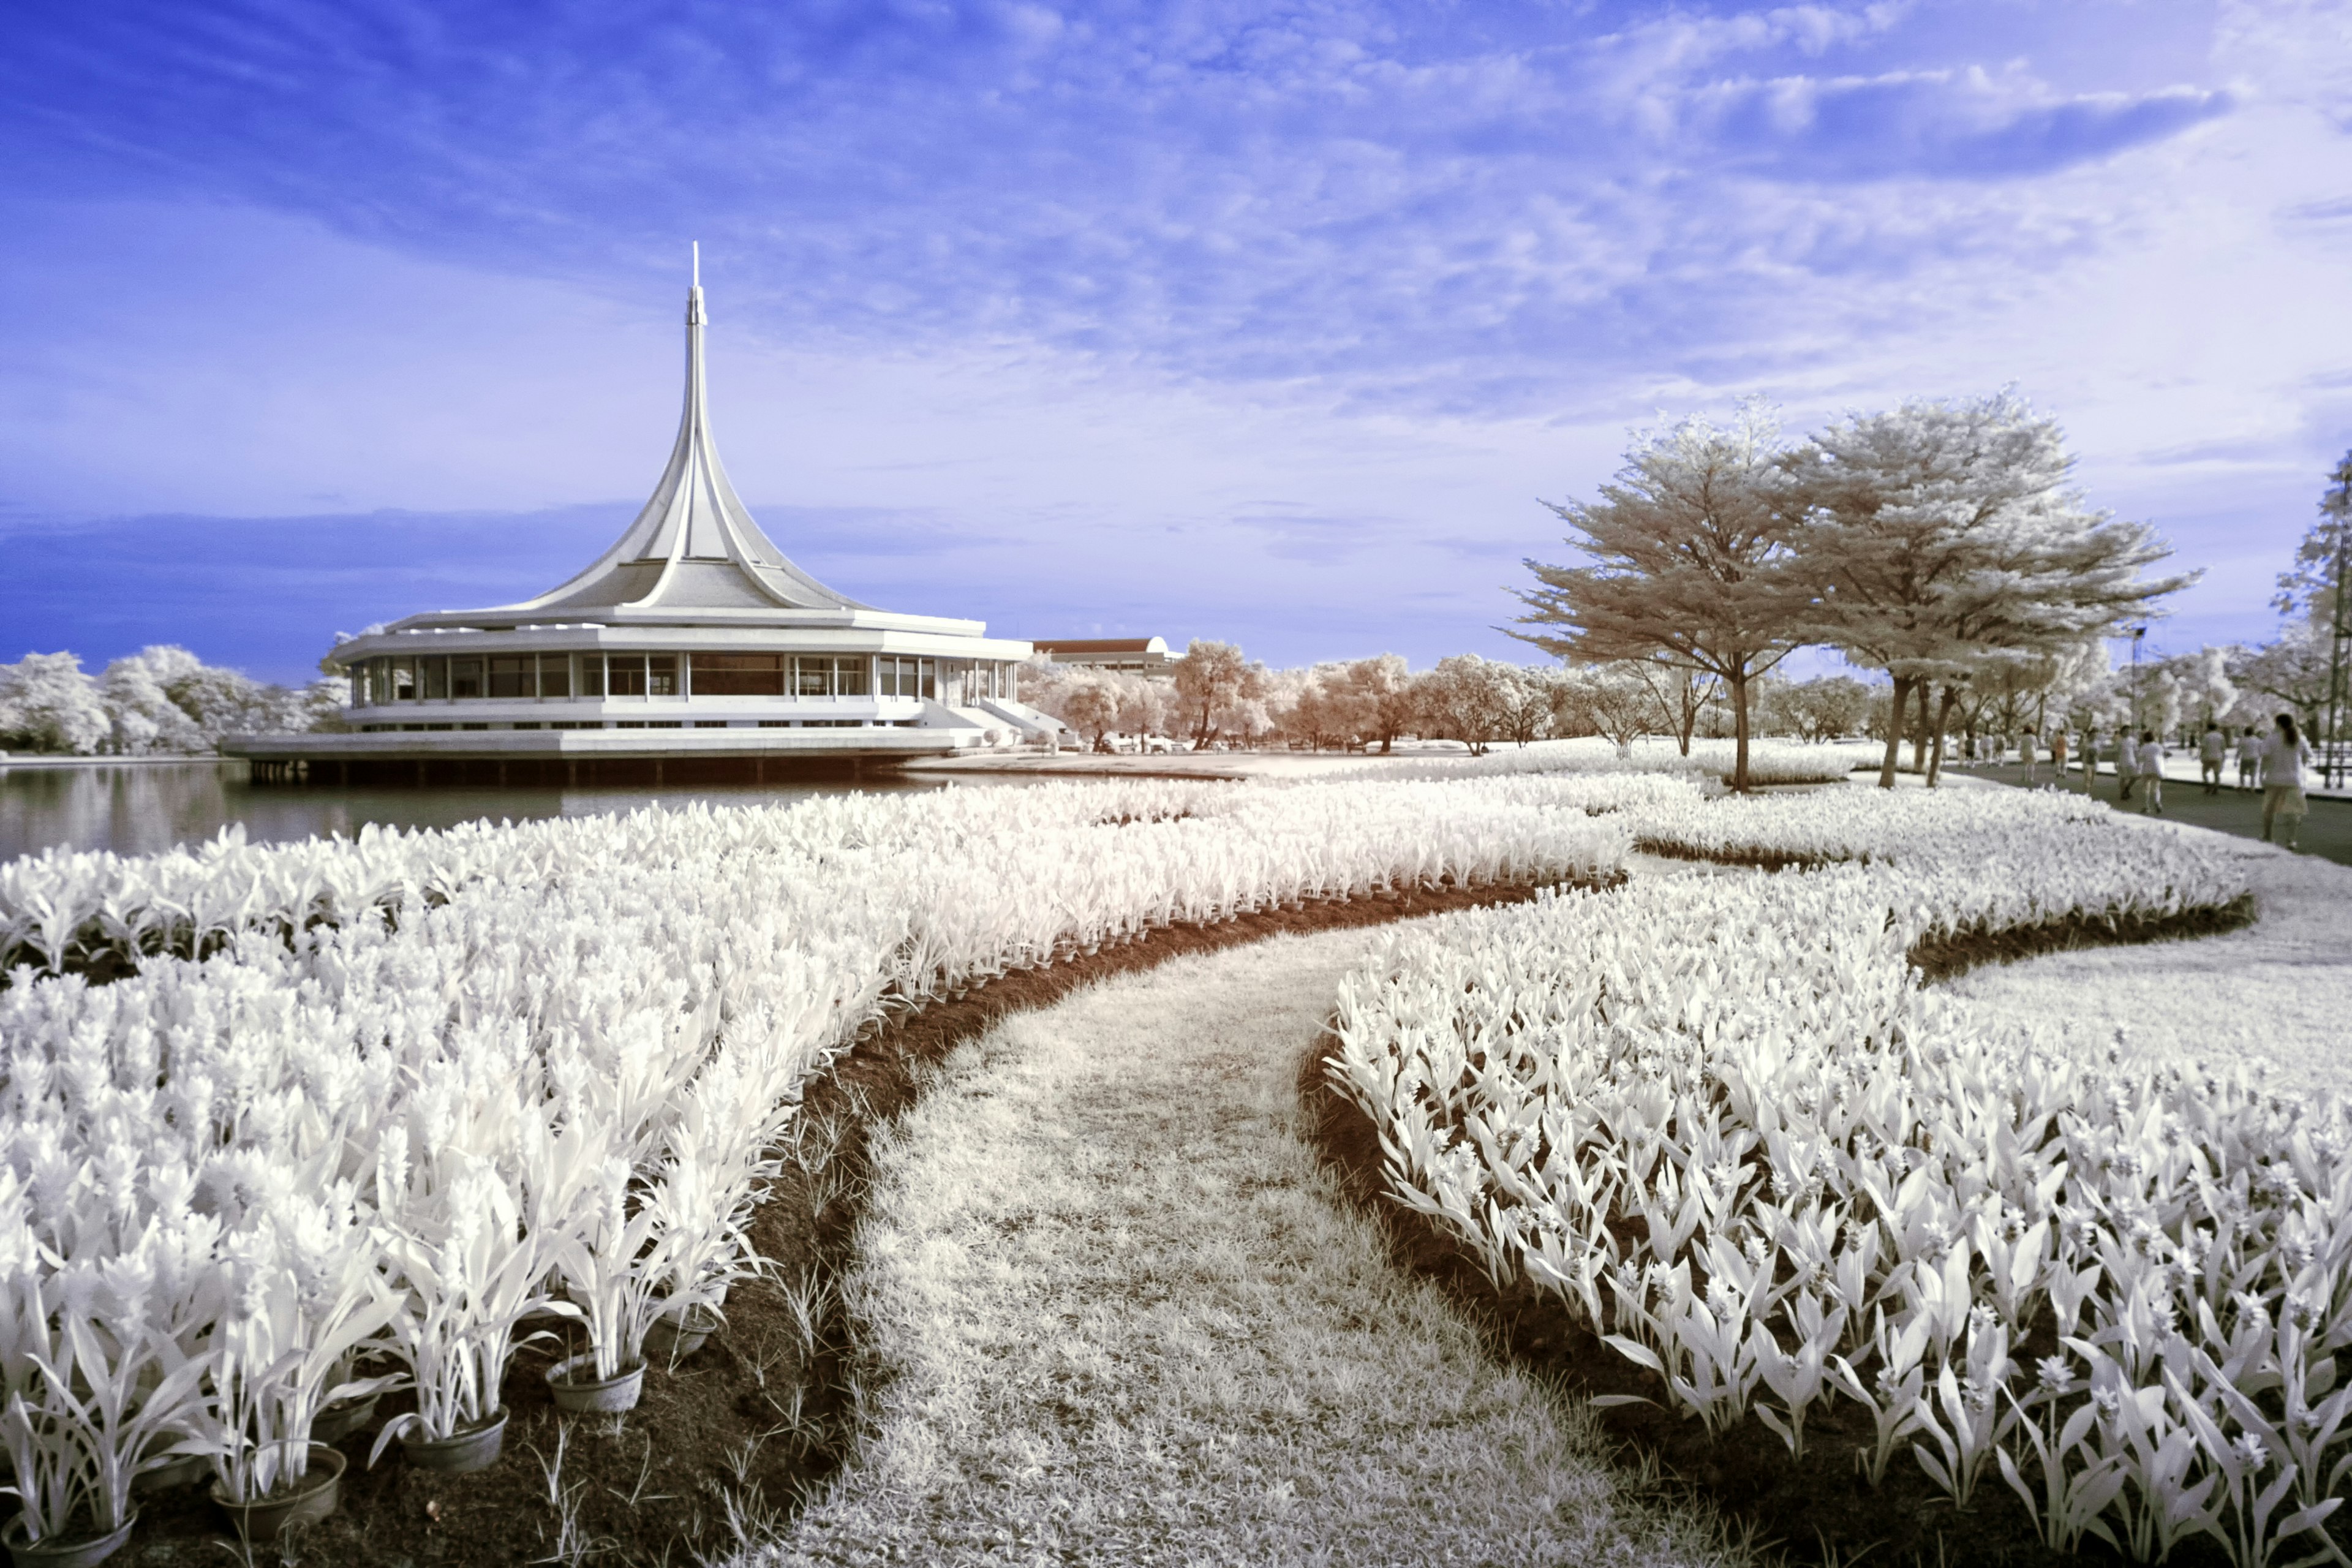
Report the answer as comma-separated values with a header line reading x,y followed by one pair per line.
x,y
691,651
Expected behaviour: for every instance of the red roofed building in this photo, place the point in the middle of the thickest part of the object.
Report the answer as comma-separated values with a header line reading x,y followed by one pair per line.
x,y
1145,655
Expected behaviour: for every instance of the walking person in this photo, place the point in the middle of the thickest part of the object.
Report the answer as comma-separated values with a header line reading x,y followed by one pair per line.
x,y
2126,767
2058,755
2283,760
2250,758
2150,760
2090,760
2210,749
2025,752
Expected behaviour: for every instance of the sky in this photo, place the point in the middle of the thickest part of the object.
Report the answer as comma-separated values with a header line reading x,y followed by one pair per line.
x,y
1272,323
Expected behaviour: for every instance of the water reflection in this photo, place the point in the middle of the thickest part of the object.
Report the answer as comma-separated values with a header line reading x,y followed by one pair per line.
x,y
141,809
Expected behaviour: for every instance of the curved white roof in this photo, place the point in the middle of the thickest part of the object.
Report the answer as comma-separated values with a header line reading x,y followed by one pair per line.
x,y
694,546
695,563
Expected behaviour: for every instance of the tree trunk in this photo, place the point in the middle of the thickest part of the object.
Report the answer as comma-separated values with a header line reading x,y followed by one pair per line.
x,y
1738,679
1943,715
1894,711
1919,736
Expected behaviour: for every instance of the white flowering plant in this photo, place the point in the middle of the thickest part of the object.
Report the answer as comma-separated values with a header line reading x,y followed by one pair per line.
x,y
387,1096
1722,1121
303,1291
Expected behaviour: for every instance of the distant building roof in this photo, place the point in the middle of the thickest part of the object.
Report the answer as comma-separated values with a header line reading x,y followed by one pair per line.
x,y
1056,646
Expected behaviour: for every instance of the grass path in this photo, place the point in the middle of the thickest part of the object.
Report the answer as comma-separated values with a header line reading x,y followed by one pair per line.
x,y
2277,992
1115,1314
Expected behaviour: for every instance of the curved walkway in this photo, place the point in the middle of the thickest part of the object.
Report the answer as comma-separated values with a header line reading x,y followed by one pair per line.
x,y
1114,1313
2275,995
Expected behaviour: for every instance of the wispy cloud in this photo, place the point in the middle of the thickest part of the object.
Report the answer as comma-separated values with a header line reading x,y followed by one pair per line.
x,y
1331,276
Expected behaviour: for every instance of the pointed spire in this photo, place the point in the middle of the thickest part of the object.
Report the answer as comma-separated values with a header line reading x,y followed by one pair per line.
x,y
694,537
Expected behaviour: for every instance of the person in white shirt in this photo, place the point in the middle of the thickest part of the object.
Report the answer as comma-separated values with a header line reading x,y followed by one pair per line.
x,y
2126,765
2210,752
2283,759
2025,752
2150,760
2250,758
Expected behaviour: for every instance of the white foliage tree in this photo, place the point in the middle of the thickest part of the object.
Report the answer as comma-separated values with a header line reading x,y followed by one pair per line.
x,y
47,704
1945,537
1689,565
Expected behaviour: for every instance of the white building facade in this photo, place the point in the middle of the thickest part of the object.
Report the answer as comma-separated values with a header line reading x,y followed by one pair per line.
x,y
691,648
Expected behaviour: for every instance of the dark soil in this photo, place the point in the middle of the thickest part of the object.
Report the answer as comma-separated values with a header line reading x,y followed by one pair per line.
x,y
1941,957
1762,860
739,1429
1819,1510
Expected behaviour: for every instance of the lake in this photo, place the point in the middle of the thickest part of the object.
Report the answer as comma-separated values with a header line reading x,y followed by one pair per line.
x,y
143,808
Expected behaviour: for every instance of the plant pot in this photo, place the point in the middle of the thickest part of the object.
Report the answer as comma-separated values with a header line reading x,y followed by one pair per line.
x,y
182,1472
307,1501
593,1395
669,1339
55,1553
474,1448
343,1418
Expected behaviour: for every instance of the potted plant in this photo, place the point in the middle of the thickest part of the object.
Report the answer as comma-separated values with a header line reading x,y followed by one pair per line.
x,y
471,1272
702,1198
303,1291
100,1388
610,1263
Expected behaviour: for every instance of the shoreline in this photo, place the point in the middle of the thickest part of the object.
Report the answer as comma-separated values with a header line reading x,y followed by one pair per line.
x,y
53,761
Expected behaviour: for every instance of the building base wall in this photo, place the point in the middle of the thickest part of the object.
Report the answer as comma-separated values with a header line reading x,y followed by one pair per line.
x,y
561,773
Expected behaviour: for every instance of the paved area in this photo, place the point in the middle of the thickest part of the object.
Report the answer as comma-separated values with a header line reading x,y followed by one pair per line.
x,y
2326,831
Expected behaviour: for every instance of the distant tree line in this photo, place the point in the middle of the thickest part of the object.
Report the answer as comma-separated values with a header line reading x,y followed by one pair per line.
x,y
160,701
1220,697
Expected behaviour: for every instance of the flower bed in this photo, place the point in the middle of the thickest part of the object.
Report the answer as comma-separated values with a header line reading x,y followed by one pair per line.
x,y
1718,1120
421,1088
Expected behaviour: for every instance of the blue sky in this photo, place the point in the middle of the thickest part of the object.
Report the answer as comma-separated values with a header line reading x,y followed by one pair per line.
x,y
1258,322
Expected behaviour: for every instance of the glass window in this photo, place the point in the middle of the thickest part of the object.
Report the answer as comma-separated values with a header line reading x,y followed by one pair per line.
x,y
358,686
927,680
849,677
624,674
514,676
738,674
404,680
555,674
465,677
661,675
591,675
812,677
434,674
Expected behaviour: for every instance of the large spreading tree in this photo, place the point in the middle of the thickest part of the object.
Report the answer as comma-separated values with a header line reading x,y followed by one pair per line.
x,y
1945,542
1687,562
